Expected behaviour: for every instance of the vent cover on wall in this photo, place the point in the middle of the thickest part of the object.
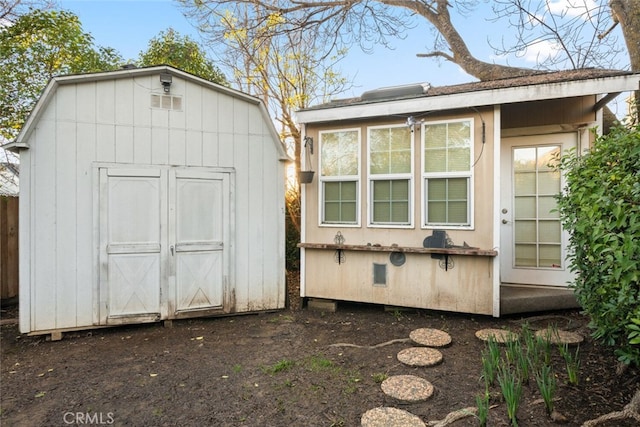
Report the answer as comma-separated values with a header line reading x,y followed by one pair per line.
x,y
166,102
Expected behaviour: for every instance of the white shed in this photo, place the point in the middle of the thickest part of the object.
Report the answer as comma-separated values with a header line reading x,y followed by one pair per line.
x,y
148,194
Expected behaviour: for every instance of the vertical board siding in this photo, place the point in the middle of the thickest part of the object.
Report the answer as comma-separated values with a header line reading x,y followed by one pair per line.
x,y
65,223
124,144
85,251
9,260
142,145
43,237
124,102
109,122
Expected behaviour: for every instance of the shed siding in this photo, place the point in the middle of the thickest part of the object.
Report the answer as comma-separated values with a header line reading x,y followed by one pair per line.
x,y
111,122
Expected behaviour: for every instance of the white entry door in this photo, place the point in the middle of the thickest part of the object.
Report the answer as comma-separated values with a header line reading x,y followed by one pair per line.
x,y
164,239
199,209
533,243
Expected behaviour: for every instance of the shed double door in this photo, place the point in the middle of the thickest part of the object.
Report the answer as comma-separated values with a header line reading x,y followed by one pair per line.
x,y
164,242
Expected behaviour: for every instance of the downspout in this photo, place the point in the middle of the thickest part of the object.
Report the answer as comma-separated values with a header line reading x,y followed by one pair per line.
x,y
303,218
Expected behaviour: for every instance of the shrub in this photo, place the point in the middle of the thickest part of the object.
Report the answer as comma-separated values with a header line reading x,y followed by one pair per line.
x,y
600,207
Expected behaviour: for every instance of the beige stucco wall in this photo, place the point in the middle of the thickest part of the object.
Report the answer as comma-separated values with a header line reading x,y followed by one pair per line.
x,y
420,282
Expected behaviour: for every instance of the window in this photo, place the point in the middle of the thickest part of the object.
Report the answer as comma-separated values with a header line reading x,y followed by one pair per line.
x,y
447,154
390,171
340,176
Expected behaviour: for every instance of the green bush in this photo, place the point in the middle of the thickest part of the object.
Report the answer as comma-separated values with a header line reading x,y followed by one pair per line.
x,y
600,206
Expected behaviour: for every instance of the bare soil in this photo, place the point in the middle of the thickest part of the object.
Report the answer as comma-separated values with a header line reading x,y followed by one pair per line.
x,y
281,369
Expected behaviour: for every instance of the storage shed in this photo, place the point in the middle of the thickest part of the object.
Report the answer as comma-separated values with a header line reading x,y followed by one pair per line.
x,y
443,197
148,194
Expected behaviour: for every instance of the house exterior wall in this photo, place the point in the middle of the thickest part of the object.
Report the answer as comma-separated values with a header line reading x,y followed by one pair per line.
x,y
421,282
114,122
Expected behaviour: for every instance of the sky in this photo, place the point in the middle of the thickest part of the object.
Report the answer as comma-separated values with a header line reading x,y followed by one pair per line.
x,y
128,25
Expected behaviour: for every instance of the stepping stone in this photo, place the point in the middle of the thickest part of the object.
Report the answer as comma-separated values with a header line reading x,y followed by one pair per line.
x,y
420,356
407,388
499,335
389,417
430,337
558,336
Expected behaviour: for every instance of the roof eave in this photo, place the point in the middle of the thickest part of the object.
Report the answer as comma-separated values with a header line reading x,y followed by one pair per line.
x,y
479,98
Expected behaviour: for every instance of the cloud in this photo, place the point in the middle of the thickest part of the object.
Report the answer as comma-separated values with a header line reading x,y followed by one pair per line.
x,y
572,8
540,50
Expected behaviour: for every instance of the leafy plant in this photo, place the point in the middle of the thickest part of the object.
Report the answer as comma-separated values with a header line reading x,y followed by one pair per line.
x,y
482,404
546,381
490,362
511,387
600,206
572,362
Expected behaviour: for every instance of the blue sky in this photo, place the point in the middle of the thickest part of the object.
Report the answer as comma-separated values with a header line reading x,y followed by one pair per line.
x,y
128,25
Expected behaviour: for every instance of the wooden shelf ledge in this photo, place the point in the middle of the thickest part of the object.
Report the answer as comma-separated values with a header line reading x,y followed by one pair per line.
x,y
405,249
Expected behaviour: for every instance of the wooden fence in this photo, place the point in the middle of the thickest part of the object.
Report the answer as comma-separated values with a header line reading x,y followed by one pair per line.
x,y
8,249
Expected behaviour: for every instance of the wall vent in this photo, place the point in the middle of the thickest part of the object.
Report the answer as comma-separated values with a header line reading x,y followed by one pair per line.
x,y
166,102
379,274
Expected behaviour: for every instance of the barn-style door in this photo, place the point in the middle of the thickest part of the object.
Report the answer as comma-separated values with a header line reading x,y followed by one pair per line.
x,y
164,243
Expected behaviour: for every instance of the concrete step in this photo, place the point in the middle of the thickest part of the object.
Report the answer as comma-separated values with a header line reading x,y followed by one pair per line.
x,y
527,299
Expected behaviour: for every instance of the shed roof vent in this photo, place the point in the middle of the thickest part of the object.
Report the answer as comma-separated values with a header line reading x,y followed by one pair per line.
x,y
396,91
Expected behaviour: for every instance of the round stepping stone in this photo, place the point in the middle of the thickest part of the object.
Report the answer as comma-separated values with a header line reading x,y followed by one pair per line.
x,y
499,335
420,356
407,388
558,336
388,417
430,337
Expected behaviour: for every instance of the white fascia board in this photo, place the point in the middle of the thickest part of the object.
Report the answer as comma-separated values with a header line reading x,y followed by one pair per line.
x,y
474,99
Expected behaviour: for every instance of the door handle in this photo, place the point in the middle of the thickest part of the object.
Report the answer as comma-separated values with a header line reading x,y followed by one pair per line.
x,y
171,249
504,221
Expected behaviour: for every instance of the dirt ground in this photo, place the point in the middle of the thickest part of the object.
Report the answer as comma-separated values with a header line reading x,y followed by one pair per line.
x,y
280,369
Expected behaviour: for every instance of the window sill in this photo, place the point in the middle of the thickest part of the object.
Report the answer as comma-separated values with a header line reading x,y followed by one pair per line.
x,y
405,249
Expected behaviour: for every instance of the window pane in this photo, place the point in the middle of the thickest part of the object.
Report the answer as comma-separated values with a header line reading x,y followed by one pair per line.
x,y
435,136
524,159
447,201
546,204
379,163
447,147
390,150
550,256
548,157
525,183
458,160
549,182
525,207
339,153
435,161
390,201
437,213
550,232
340,204
525,231
526,256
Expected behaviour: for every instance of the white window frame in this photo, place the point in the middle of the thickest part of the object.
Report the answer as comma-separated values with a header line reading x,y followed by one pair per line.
x,y
409,176
342,178
469,175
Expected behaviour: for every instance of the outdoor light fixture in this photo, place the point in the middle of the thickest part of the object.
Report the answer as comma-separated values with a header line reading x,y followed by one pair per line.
x,y
166,79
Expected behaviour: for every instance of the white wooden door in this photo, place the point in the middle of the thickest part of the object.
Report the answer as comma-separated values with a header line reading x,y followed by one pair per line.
x,y
199,212
164,242
131,238
533,243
